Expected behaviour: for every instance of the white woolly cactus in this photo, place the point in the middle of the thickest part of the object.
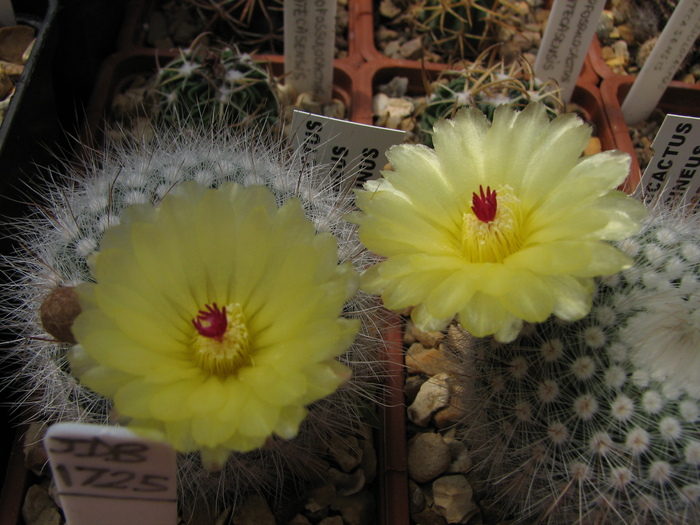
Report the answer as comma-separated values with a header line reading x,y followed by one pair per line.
x,y
598,420
76,213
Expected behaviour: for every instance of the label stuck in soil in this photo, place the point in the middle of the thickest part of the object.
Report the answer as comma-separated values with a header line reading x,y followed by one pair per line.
x,y
111,476
350,148
673,174
309,42
675,42
565,42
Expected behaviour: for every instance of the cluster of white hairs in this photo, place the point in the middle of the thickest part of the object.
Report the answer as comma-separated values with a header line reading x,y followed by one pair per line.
x,y
84,198
598,421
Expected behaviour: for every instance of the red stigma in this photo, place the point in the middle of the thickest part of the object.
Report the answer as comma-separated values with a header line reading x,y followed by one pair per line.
x,y
485,205
215,319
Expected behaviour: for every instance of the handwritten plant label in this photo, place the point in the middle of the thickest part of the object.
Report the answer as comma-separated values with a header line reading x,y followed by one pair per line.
x,y
350,148
675,41
111,476
673,175
566,40
309,42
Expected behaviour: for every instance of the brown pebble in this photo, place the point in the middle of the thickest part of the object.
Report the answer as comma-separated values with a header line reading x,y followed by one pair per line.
x,y
58,312
14,41
593,147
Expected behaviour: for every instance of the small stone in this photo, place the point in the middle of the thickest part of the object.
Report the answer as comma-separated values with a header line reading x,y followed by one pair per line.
x,y
448,416
428,457
320,498
384,34
432,396
411,387
335,109
394,111
412,49
605,24
357,509
345,451
299,519
38,508
7,86
453,499
389,9
14,41
346,484
607,53
392,49
521,8
422,360
461,457
620,49
58,311
427,339
627,33
593,147
416,497
253,511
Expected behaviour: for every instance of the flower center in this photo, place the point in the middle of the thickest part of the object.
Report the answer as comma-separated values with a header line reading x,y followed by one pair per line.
x,y
492,231
485,205
220,345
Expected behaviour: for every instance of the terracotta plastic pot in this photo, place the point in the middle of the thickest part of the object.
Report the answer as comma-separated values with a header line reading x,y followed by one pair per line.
x,y
679,98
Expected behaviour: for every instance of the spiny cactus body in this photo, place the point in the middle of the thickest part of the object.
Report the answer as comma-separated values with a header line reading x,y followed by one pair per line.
x,y
486,84
458,28
598,421
65,229
257,23
215,86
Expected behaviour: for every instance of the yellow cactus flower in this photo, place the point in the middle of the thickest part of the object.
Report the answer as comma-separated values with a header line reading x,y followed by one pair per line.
x,y
214,318
499,223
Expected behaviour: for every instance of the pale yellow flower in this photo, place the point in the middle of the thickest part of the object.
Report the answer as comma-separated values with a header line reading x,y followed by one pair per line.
x,y
498,224
214,318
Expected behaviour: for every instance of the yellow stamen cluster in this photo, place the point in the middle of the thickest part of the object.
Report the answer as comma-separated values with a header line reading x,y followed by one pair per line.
x,y
226,355
492,242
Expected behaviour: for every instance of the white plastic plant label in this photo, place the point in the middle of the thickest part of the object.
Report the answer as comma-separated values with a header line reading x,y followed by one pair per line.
x,y
566,40
675,42
109,476
673,175
352,148
309,42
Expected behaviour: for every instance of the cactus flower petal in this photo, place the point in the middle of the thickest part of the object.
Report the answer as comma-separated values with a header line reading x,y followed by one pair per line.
x,y
214,318
498,224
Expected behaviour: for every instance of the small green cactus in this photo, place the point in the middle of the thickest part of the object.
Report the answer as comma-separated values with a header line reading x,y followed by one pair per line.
x,y
458,28
486,84
598,421
257,23
216,86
